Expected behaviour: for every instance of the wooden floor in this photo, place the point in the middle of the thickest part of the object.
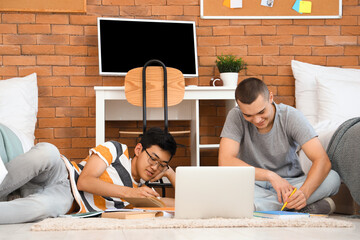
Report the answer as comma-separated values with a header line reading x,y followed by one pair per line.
x,y
22,231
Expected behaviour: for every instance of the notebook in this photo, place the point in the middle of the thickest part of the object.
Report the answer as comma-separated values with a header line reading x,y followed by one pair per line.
x,y
208,192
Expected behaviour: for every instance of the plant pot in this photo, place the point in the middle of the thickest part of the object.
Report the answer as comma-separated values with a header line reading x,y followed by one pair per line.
x,y
230,79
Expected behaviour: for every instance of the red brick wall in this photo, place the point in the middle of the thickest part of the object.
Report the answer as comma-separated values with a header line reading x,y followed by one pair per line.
x,y
62,49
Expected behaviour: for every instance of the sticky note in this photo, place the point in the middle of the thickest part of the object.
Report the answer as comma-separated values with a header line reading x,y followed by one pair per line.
x,y
226,3
305,7
235,3
296,6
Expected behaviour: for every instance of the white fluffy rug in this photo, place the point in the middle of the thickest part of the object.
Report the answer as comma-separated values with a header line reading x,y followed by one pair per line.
x,y
65,224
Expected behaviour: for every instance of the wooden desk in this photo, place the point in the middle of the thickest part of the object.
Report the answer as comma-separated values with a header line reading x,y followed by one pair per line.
x,y
111,105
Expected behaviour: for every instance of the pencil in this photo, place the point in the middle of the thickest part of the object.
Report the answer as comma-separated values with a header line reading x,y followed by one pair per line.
x,y
288,198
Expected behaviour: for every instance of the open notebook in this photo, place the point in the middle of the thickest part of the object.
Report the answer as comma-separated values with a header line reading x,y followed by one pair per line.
x,y
207,192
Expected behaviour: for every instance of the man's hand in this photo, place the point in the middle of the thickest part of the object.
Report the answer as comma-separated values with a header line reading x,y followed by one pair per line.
x,y
168,173
297,200
143,191
282,187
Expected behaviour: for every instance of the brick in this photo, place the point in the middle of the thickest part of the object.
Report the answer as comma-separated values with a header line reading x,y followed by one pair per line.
x,y
351,10
245,22
44,112
208,111
167,10
327,51
260,30
72,112
52,18
44,133
91,132
203,71
7,71
83,122
54,101
181,2
53,81
93,51
90,30
71,50
90,91
152,2
213,22
288,100
40,71
277,60
211,121
352,50
350,2
84,40
34,28
63,71
37,49
54,122
83,20
103,10
8,28
85,81
213,41
309,22
52,60
68,91
53,39
68,29
309,41
19,39
135,11
117,2
233,50
59,143
318,60
84,61
295,30
203,31
69,132
82,101
207,61
75,153
285,71
274,22
253,60
191,10
277,40
245,40
263,50
295,50
113,81
350,30
341,40
324,30
9,50
343,61
18,18
345,20
82,142
228,30
204,51
261,70
45,91
279,80
19,60
286,91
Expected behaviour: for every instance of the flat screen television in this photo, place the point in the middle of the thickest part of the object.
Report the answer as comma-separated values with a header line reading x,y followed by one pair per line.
x,y
129,43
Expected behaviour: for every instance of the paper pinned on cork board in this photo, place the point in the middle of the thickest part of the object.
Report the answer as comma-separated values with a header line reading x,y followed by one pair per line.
x,y
267,3
235,3
3,171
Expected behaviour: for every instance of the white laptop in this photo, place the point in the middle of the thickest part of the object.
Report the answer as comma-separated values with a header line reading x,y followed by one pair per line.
x,y
208,192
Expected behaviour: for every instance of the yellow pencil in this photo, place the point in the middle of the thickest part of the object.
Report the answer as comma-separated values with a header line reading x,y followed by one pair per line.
x,y
288,198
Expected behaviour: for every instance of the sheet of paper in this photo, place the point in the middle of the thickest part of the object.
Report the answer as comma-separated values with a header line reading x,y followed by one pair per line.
x,y
3,170
305,7
226,3
267,3
235,3
296,6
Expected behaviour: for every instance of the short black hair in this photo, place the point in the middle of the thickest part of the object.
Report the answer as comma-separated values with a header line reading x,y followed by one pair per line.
x,y
159,137
249,89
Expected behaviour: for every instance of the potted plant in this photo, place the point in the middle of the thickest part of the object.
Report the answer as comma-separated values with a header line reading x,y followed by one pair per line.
x,y
229,67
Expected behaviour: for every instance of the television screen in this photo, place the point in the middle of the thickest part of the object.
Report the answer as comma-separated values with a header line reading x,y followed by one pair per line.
x,y
129,43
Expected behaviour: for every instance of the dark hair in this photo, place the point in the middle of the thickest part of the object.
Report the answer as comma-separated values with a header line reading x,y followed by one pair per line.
x,y
157,136
249,89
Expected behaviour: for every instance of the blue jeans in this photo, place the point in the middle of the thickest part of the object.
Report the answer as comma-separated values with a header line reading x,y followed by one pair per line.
x,y
42,178
266,197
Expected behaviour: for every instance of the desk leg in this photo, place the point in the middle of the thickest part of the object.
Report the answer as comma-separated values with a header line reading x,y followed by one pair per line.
x,y
195,134
100,117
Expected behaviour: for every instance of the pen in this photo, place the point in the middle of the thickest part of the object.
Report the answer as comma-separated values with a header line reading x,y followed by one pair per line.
x,y
288,198
155,191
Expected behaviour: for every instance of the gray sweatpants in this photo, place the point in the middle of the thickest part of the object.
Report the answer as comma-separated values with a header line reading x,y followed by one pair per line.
x,y
41,176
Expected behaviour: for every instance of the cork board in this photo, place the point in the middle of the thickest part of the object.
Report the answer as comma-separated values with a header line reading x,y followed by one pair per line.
x,y
43,5
281,9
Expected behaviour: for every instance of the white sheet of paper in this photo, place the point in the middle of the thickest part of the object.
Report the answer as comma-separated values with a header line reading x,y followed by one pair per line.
x,y
267,3
3,171
235,3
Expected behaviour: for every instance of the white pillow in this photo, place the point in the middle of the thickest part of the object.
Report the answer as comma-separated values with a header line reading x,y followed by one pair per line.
x,y
306,86
338,97
19,104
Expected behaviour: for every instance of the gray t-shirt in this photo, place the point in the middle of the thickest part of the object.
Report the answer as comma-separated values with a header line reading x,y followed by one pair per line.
x,y
276,149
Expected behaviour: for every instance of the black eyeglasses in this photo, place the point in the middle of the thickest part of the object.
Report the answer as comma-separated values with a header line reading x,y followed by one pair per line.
x,y
153,162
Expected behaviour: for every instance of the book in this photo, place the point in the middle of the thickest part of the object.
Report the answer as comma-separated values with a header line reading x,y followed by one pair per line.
x,y
281,214
145,202
82,215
